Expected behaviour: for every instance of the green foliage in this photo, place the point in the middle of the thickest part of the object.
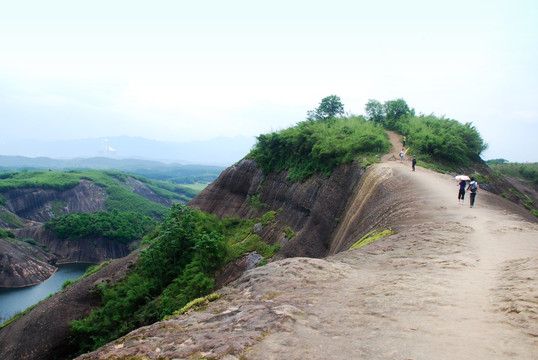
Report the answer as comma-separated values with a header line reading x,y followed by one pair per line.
x,y
6,234
329,107
119,226
375,112
318,146
442,140
66,283
11,220
175,267
116,184
394,111
39,179
526,171
121,199
255,204
371,237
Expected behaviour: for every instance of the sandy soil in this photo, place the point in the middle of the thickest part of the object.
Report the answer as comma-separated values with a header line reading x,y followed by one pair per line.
x,y
454,283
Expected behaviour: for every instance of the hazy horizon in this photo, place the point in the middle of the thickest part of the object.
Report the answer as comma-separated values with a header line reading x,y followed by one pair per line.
x,y
176,71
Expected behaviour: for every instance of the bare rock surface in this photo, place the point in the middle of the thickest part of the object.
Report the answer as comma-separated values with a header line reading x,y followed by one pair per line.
x,y
454,282
22,264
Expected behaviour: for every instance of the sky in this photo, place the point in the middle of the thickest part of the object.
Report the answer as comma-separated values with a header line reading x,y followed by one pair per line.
x,y
174,70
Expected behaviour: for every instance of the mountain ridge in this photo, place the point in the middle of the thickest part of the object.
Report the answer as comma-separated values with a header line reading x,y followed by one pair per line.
x,y
221,151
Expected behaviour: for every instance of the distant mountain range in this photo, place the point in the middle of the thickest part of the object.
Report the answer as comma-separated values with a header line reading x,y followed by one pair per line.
x,y
222,151
178,173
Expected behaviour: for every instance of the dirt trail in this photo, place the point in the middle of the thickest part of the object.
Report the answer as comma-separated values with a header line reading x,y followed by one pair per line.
x,y
453,283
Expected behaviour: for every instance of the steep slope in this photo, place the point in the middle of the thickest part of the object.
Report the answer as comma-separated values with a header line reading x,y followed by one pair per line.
x,y
314,210
28,202
454,282
22,264
448,274
37,204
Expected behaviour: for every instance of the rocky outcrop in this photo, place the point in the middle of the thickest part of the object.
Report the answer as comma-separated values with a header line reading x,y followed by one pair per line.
x,y
327,215
22,264
42,204
28,208
88,250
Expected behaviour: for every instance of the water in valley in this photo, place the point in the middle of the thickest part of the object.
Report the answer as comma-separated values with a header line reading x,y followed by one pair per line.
x,y
13,301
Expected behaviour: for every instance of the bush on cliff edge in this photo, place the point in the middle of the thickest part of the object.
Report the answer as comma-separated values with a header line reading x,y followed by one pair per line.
x,y
318,146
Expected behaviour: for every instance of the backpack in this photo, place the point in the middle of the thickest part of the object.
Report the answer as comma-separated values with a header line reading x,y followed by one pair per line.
x,y
473,186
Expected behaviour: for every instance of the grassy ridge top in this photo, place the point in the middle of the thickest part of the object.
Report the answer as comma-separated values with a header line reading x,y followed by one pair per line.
x,y
318,146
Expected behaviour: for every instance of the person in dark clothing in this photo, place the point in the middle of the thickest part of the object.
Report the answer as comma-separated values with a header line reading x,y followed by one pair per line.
x,y
473,186
414,163
461,193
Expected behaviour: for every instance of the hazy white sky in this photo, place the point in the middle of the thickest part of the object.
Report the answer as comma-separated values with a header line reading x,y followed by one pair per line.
x,y
193,70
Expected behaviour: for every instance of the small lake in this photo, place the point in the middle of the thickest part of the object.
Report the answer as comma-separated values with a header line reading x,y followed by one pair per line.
x,y
13,301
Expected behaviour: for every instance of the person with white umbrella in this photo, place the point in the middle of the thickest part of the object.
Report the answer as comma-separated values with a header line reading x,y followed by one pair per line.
x,y
462,184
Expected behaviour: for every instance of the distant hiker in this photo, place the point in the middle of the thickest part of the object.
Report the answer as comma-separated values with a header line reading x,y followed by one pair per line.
x,y
473,187
461,193
414,162
403,141
402,155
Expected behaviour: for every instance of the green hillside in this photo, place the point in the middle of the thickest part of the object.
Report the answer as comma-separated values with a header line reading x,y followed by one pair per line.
x,y
120,196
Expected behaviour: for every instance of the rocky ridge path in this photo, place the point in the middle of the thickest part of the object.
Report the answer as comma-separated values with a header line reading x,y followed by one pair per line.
x,y
453,283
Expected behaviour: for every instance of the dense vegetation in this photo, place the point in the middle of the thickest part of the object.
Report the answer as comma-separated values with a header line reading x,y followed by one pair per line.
x,y
434,139
176,266
318,146
119,226
327,139
527,171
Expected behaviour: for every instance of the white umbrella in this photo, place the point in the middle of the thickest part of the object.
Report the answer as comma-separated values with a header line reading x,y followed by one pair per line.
x,y
463,177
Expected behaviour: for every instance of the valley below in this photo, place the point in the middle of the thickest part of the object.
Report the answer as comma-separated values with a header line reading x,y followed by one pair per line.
x,y
452,282
448,281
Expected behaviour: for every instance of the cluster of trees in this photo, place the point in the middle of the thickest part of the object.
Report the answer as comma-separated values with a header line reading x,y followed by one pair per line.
x,y
175,267
119,226
319,144
438,139
328,138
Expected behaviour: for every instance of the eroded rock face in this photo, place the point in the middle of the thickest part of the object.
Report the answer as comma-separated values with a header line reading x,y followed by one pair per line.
x,y
22,264
89,250
42,204
315,210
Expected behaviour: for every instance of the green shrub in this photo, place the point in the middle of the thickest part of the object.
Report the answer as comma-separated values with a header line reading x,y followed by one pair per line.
x,y
119,226
442,140
175,267
318,147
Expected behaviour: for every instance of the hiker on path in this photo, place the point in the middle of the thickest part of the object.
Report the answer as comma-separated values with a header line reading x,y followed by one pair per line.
x,y
403,141
402,155
473,186
461,193
414,162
